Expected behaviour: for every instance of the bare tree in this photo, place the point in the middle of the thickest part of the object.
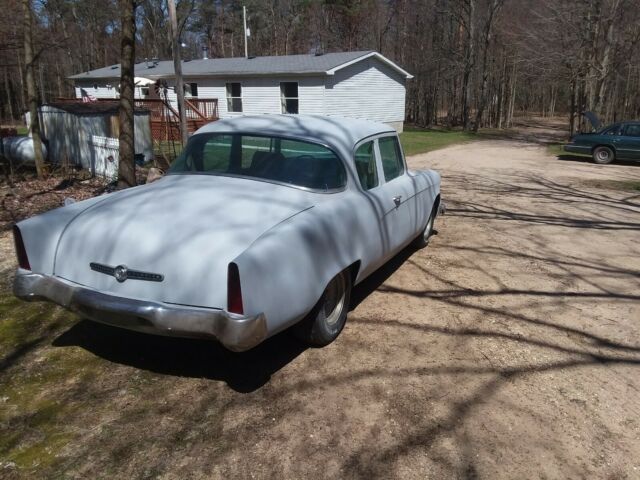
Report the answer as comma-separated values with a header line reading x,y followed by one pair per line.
x,y
126,169
177,65
32,96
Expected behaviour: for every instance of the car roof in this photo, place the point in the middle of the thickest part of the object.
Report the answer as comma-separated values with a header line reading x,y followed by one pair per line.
x,y
338,133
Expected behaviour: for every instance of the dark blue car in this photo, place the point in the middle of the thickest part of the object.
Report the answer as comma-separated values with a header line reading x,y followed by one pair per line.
x,y
620,141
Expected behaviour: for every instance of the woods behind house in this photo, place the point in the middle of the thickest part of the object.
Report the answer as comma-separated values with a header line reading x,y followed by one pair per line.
x,y
476,63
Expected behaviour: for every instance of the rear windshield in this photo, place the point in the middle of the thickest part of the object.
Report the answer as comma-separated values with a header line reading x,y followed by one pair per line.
x,y
610,130
294,162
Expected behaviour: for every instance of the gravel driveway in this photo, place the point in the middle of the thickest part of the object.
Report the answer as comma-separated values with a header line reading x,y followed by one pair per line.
x,y
508,348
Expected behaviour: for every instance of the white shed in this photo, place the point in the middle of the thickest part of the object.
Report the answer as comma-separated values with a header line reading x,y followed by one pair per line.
x,y
86,134
350,84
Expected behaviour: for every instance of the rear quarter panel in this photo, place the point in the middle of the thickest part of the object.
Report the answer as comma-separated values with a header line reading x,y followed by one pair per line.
x,y
284,272
41,233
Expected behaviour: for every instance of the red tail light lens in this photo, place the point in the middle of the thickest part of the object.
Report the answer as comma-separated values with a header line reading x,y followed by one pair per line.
x,y
21,252
234,292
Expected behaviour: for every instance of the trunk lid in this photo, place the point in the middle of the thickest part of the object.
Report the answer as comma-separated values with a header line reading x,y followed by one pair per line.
x,y
186,228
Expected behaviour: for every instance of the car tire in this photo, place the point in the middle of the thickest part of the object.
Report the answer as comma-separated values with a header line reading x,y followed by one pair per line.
x,y
422,240
603,155
326,319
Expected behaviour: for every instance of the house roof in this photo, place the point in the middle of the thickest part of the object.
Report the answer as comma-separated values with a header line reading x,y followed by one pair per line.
x,y
91,108
325,64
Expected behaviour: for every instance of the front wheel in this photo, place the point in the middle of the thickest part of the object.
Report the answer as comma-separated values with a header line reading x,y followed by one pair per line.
x,y
603,155
327,318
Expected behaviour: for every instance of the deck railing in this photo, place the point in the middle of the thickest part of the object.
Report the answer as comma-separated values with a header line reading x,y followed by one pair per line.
x,y
202,109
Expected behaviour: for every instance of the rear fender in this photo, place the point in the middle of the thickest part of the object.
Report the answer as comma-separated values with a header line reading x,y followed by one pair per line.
x,y
42,233
284,273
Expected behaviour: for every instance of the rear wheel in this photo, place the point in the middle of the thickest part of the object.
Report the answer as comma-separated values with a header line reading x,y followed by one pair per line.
x,y
327,318
603,155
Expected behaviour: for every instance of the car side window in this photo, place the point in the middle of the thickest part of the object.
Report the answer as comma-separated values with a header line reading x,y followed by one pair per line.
x,y
391,157
632,130
612,130
365,159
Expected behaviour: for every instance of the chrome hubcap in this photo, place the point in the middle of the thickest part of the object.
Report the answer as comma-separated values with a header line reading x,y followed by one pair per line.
x,y
333,302
603,155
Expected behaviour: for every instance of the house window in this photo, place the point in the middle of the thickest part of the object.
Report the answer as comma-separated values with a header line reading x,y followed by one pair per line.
x,y
144,91
192,89
289,97
234,97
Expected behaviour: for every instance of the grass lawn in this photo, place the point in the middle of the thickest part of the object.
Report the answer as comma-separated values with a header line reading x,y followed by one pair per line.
x,y
623,185
415,140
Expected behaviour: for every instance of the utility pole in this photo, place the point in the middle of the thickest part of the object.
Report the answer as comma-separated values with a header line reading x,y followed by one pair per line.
x,y
177,66
244,20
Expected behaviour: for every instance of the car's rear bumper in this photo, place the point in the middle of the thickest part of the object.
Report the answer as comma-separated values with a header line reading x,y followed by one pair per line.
x,y
235,332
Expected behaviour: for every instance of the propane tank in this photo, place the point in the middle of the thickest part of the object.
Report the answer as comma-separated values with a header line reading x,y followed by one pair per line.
x,y
20,150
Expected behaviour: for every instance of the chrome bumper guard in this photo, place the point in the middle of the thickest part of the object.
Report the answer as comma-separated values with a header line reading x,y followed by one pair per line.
x,y
235,332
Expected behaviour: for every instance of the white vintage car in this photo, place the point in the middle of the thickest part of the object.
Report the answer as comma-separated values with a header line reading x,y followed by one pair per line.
x,y
262,223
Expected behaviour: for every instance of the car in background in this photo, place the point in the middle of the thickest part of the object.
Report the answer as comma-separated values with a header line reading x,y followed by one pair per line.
x,y
262,223
620,141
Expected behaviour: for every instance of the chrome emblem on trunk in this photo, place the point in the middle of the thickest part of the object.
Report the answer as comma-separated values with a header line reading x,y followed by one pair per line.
x,y
120,272
123,273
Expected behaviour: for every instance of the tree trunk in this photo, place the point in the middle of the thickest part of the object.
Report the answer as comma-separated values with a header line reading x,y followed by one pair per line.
x,y
177,65
8,93
32,98
126,168
468,64
488,31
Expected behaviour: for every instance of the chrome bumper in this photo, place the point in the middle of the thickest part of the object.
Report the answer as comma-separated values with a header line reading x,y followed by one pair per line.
x,y
235,332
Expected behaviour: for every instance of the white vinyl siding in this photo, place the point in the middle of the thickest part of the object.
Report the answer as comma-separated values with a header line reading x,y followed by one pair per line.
x,y
368,89
261,95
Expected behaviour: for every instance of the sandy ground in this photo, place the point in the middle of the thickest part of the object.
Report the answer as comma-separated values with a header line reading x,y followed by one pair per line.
x,y
508,348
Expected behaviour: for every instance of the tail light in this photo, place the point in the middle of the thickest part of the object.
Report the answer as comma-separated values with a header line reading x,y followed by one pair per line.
x,y
234,292
21,252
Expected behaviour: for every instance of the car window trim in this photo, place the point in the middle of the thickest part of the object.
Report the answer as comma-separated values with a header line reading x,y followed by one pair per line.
x,y
375,160
402,160
375,137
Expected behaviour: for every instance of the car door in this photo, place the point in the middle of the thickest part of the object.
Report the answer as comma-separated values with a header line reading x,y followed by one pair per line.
x,y
628,144
394,194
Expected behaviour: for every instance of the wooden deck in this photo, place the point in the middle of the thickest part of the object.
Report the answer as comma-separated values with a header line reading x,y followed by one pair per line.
x,y
165,118
165,125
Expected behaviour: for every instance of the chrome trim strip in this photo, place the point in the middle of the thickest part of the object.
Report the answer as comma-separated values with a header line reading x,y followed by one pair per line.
x,y
235,332
129,274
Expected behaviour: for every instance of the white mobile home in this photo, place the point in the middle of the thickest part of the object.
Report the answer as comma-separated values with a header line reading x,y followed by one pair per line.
x,y
351,84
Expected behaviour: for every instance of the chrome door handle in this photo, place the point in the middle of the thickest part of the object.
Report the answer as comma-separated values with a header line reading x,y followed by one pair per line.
x,y
397,200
